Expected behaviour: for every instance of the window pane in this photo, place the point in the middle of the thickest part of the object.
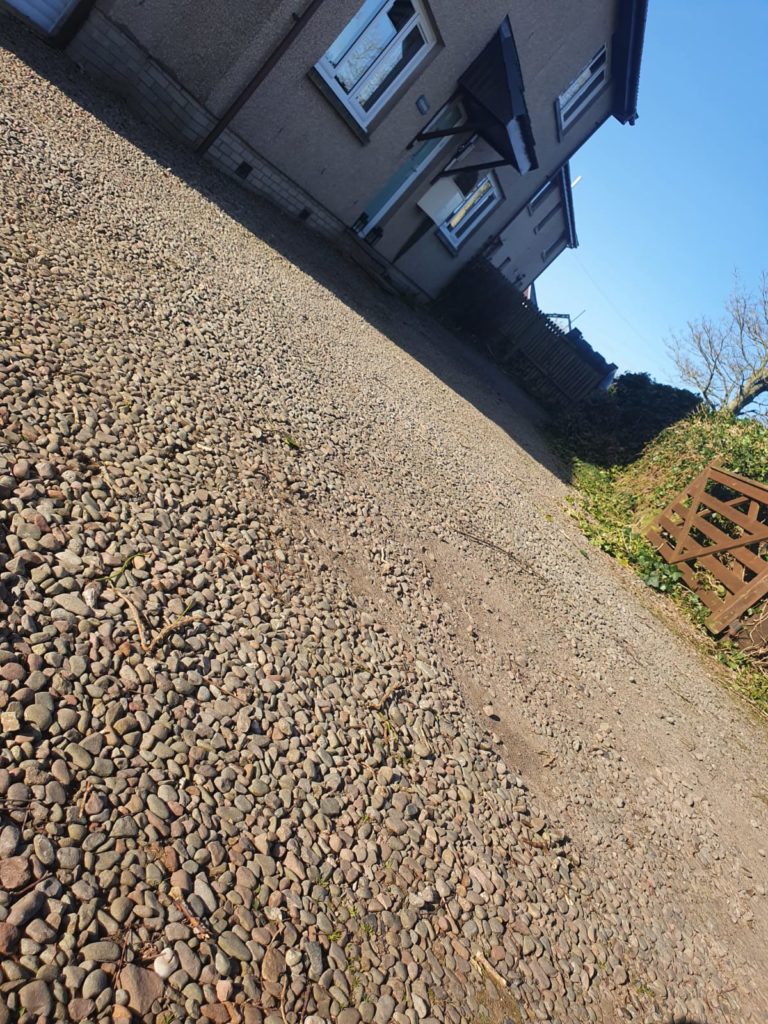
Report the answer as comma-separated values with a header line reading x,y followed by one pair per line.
x,y
581,80
355,28
580,101
469,206
372,43
394,62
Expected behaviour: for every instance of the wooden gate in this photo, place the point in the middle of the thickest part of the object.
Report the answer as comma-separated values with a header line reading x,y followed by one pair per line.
x,y
716,533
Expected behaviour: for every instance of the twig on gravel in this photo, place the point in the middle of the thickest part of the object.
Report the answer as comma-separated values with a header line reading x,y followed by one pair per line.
x,y
32,884
282,999
195,923
113,577
170,627
121,963
230,552
503,551
83,797
136,615
166,631
390,691
492,973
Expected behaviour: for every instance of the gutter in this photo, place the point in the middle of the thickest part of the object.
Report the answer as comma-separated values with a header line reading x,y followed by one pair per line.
x,y
631,39
570,216
299,24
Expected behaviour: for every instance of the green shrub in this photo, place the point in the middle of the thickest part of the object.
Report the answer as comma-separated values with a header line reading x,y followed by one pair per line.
x,y
681,452
612,427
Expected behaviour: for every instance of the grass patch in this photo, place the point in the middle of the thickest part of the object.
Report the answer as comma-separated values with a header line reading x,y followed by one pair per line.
x,y
615,505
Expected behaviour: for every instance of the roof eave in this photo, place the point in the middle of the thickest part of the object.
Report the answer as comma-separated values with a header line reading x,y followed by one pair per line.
x,y
628,55
570,216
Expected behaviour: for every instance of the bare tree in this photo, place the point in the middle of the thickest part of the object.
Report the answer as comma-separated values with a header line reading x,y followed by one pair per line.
x,y
727,360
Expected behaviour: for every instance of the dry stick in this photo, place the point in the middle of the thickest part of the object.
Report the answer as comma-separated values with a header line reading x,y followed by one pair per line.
x,y
182,620
151,647
496,547
377,705
136,618
122,952
83,797
282,999
31,885
195,923
492,972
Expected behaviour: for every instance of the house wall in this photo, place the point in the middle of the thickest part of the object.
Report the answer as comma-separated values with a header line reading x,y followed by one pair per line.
x,y
211,49
112,56
306,137
520,253
184,67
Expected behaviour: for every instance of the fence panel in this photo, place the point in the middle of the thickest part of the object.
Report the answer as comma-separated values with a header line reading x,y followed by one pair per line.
x,y
716,533
558,368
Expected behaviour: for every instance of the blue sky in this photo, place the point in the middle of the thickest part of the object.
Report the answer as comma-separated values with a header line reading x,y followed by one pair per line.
x,y
667,210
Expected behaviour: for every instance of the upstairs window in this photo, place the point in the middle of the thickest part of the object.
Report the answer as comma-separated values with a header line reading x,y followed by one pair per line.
x,y
378,50
582,90
554,249
542,195
471,211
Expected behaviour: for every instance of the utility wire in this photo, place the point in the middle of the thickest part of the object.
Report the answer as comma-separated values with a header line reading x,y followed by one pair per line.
x,y
610,301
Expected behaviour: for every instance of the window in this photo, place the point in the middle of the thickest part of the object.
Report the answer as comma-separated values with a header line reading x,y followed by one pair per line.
x,y
541,196
555,249
582,90
472,211
547,218
377,51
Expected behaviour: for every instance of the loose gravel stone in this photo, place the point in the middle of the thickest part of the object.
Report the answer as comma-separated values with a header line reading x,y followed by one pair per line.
x,y
234,946
15,872
144,988
101,952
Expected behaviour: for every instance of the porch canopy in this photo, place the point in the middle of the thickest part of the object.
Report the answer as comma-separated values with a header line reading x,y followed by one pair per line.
x,y
492,92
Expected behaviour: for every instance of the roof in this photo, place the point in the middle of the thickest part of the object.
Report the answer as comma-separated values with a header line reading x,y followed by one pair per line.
x,y
628,55
493,93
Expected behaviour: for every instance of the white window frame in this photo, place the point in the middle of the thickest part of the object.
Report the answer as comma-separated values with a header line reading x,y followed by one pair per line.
x,y
455,239
367,14
572,103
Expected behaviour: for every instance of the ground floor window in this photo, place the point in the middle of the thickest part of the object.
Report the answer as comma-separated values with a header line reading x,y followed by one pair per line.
x,y
475,206
376,52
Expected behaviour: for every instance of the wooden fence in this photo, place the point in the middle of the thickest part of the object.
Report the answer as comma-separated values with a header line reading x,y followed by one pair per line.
x,y
558,368
716,533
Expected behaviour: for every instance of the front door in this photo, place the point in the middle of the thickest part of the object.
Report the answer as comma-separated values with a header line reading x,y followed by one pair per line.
x,y
404,177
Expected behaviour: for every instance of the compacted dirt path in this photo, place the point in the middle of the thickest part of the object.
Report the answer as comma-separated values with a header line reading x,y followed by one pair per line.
x,y
315,705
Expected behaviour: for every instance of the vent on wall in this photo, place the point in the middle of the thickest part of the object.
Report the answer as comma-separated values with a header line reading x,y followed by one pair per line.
x,y
243,170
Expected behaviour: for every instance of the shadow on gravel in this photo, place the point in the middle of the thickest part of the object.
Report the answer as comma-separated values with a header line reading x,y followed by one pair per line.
x,y
455,363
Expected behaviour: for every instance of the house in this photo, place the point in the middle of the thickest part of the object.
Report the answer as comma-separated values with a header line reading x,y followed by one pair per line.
x,y
425,132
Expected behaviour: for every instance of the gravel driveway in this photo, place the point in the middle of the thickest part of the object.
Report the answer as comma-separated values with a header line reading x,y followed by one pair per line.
x,y
315,705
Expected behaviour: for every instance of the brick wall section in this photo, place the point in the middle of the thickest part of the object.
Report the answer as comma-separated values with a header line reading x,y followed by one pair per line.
x,y
111,56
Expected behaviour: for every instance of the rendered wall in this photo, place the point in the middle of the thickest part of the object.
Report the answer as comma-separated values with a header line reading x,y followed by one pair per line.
x,y
182,63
